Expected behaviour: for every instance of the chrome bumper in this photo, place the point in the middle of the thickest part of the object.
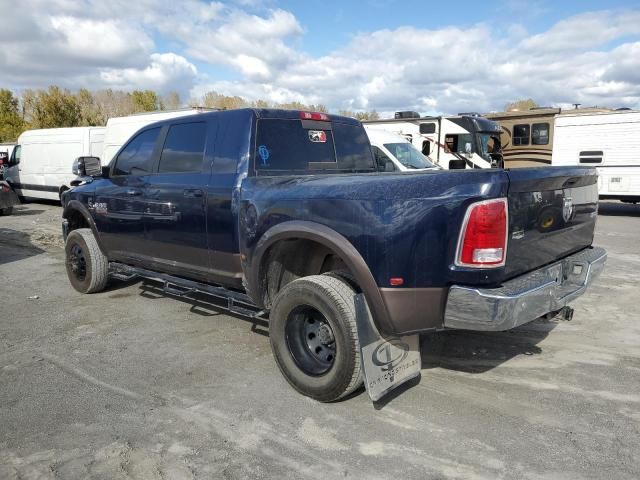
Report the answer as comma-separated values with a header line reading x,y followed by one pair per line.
x,y
525,298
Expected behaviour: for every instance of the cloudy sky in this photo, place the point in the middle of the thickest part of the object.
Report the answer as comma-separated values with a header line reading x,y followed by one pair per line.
x,y
433,57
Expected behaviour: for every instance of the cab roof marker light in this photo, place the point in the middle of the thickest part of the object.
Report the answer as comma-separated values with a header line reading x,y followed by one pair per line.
x,y
323,117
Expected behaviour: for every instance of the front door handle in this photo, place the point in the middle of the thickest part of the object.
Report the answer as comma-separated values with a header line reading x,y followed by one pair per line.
x,y
193,192
134,192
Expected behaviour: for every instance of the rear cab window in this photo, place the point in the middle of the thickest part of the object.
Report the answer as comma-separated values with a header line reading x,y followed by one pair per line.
x,y
309,146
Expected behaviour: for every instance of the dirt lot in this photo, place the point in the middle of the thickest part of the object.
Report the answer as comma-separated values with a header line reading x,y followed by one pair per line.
x,y
132,384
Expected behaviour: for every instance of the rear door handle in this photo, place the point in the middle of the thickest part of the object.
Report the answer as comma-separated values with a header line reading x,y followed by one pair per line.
x,y
193,192
134,192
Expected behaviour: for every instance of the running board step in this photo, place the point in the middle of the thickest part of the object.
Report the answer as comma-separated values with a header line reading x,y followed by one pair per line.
x,y
237,302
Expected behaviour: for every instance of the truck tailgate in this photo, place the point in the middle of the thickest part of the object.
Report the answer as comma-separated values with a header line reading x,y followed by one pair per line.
x,y
552,213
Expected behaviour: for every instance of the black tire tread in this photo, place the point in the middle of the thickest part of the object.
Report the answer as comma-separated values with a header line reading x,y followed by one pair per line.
x,y
99,264
342,295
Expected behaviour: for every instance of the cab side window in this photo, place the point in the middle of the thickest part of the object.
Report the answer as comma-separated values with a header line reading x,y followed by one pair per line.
x,y
184,148
383,162
137,156
15,155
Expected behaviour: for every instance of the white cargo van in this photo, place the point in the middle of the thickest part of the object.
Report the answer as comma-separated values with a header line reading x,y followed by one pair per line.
x,y
120,129
394,153
40,164
609,141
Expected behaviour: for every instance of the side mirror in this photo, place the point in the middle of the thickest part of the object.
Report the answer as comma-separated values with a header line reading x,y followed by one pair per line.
x,y
87,167
457,164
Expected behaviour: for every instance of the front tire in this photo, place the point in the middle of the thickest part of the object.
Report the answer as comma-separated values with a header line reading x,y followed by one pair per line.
x,y
87,267
314,337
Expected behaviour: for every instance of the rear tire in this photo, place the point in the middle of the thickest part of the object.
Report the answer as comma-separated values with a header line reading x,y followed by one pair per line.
x,y
6,211
314,337
87,266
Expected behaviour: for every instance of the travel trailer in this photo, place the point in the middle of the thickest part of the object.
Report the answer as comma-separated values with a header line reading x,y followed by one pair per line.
x,y
609,141
40,164
120,129
394,153
462,141
527,135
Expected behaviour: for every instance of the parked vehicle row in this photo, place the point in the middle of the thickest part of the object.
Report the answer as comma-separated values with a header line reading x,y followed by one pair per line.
x,y
286,215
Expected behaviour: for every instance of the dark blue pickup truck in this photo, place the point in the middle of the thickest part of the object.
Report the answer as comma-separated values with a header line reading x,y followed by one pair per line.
x,y
283,214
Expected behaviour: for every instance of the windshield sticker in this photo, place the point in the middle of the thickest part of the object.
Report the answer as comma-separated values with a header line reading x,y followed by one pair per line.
x,y
317,136
263,151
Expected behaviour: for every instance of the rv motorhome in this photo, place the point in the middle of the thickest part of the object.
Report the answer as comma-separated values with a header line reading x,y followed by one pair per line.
x,y
527,135
462,141
609,141
40,164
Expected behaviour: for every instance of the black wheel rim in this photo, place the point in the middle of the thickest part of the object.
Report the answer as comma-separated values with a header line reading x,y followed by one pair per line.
x,y
78,262
310,340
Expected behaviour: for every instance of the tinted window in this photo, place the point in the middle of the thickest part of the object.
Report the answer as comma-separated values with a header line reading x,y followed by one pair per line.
x,y
591,156
184,148
352,147
136,158
540,134
286,145
427,128
521,134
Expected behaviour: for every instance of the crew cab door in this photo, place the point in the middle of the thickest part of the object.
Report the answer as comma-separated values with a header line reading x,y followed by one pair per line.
x,y
119,206
176,200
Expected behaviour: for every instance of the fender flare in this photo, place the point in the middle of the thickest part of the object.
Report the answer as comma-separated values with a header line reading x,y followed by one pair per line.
x,y
77,206
335,242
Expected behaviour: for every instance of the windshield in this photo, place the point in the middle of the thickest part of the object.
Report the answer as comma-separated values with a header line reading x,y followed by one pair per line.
x,y
489,144
408,155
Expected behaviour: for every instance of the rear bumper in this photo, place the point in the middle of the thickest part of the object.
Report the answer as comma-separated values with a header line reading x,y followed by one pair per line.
x,y
525,298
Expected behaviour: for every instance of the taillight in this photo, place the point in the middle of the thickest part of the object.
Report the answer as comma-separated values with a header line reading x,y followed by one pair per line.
x,y
323,117
5,188
483,239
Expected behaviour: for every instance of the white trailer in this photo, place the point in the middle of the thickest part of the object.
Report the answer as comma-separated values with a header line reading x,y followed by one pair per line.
x,y
40,164
609,141
462,141
120,129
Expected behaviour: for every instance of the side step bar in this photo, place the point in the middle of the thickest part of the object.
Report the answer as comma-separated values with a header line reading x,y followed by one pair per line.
x,y
237,302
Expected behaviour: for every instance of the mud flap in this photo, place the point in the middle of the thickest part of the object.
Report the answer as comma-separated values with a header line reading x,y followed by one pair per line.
x,y
387,362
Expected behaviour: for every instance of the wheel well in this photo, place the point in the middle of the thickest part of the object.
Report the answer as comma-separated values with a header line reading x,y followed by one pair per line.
x,y
76,220
290,259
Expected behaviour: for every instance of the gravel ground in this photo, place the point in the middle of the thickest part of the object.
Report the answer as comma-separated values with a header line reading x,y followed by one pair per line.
x,y
130,383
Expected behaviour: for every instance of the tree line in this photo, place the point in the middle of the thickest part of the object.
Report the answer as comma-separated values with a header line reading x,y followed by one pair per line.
x,y
56,107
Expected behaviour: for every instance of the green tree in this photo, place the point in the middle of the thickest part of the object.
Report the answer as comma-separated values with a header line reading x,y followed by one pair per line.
x,y
90,113
520,105
11,123
53,108
145,100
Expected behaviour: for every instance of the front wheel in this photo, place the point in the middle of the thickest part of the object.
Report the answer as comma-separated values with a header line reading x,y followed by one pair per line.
x,y
87,266
314,338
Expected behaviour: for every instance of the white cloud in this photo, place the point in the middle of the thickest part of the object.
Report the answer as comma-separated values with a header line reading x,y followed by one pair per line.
x,y
591,58
166,72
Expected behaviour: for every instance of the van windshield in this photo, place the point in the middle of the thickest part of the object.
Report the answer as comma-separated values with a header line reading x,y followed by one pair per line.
x,y
408,155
